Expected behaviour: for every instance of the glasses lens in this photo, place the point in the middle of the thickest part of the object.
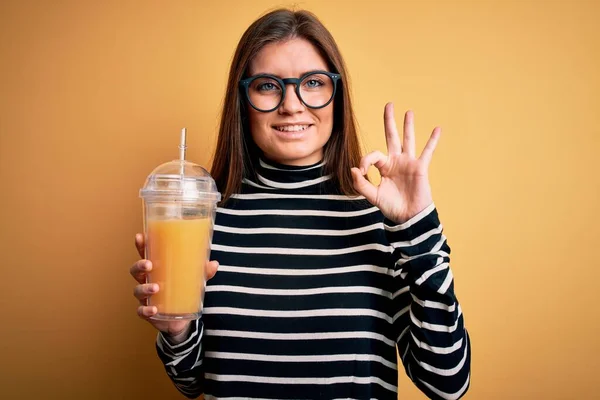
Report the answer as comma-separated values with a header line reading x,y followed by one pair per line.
x,y
265,93
316,90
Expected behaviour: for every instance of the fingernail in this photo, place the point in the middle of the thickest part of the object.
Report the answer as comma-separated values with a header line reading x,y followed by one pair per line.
x,y
147,265
154,288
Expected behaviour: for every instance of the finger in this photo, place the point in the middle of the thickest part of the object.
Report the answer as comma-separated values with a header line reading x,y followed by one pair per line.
x,y
139,270
211,269
408,143
427,153
139,244
142,292
391,132
363,186
376,158
146,312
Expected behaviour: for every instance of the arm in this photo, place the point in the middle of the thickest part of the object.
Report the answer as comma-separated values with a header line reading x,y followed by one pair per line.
x,y
182,357
432,340
180,354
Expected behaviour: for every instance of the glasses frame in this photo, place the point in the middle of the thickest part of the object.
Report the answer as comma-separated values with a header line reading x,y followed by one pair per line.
x,y
283,82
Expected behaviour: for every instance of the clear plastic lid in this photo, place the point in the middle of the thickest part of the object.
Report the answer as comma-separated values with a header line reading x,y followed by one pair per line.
x,y
180,180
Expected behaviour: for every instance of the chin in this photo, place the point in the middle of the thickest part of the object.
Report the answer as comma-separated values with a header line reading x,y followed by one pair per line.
x,y
296,157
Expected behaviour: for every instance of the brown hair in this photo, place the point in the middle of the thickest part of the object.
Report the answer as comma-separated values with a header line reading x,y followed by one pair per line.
x,y
236,153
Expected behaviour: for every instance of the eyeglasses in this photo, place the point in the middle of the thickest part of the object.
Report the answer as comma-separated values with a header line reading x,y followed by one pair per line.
x,y
265,92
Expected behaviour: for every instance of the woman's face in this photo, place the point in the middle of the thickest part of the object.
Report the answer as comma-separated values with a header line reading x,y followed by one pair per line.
x,y
293,134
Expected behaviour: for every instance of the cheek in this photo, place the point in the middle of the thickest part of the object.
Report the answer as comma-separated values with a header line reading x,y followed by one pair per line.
x,y
326,120
258,127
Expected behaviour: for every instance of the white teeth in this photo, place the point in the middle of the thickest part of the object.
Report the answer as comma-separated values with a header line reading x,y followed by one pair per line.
x,y
291,128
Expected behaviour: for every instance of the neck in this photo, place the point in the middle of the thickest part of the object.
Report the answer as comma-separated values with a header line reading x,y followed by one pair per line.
x,y
308,161
291,178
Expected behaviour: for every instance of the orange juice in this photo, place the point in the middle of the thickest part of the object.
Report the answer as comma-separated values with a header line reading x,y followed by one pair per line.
x,y
178,249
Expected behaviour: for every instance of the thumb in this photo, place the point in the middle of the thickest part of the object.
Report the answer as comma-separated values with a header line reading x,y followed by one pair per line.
x,y
211,269
363,186
140,245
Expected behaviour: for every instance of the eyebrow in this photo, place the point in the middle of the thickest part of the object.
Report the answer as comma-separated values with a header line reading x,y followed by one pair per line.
x,y
302,74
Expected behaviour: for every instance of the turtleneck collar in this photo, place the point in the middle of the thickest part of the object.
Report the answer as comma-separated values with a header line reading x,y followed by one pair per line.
x,y
306,179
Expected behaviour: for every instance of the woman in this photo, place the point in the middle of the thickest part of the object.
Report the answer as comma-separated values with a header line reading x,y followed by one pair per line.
x,y
321,273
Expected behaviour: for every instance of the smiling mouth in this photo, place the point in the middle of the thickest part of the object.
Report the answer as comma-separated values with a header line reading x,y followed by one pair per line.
x,y
292,128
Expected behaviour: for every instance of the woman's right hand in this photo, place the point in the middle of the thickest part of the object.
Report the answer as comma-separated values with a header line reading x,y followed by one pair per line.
x,y
144,290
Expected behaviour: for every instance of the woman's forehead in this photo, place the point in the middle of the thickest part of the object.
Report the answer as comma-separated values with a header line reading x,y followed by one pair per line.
x,y
287,59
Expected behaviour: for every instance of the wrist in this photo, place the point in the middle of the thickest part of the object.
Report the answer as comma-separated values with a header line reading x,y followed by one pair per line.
x,y
411,217
179,336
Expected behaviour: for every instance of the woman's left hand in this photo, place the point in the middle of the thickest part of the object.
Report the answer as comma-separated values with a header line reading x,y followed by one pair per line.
x,y
404,190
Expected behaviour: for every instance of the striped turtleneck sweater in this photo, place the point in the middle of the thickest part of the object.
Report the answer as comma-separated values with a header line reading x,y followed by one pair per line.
x,y
315,296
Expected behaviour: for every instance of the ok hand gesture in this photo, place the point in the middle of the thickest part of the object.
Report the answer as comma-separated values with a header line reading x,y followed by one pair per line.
x,y
404,190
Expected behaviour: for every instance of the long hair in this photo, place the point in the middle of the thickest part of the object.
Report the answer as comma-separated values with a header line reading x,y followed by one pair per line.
x,y
236,153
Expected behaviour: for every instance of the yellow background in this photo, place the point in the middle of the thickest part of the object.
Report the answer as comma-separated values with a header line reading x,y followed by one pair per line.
x,y
93,95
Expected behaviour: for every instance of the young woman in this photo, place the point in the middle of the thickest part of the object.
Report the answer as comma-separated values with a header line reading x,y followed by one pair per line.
x,y
323,276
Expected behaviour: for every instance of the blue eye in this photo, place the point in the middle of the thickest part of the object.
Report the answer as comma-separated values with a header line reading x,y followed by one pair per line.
x,y
314,83
266,86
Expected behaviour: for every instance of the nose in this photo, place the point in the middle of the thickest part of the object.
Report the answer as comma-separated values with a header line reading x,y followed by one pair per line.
x,y
291,103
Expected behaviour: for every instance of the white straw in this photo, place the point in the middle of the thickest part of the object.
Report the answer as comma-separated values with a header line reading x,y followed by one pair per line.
x,y
182,147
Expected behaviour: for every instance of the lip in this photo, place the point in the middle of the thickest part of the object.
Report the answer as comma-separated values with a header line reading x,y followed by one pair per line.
x,y
292,124
291,135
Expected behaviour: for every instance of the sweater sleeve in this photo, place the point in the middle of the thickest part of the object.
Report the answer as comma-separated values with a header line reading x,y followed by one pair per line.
x,y
433,343
183,361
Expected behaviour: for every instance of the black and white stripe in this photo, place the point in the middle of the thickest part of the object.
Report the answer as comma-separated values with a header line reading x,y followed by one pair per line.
x,y
314,292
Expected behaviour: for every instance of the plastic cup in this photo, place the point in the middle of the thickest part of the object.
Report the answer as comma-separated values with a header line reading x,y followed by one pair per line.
x,y
179,200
